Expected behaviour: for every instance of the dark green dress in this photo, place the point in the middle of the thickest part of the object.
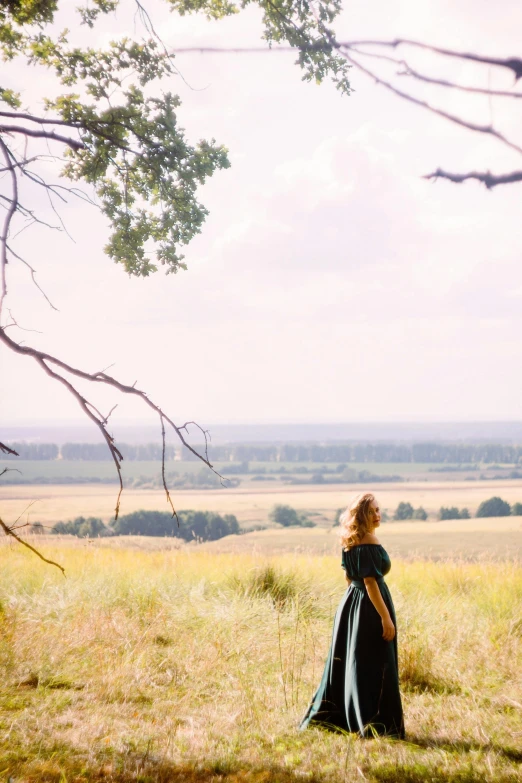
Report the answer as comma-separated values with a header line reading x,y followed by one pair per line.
x,y
359,691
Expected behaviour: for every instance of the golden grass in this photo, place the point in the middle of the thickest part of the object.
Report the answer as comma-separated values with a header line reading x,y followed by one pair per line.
x,y
185,665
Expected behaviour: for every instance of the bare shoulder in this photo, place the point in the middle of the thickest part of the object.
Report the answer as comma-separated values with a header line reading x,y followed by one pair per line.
x,y
369,538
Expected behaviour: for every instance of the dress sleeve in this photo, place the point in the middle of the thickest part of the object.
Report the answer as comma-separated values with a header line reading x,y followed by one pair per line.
x,y
369,562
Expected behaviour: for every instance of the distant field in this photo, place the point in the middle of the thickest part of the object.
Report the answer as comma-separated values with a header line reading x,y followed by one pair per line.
x,y
104,471
468,540
250,504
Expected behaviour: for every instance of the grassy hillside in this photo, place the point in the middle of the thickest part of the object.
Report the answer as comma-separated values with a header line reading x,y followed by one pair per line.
x,y
191,666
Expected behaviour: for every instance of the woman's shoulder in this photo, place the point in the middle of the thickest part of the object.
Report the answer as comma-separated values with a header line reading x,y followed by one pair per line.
x,y
369,540
361,546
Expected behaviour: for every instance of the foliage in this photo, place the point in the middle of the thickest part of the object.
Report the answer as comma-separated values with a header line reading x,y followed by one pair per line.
x,y
287,517
516,509
494,507
125,139
420,513
449,513
193,525
453,512
404,511
83,528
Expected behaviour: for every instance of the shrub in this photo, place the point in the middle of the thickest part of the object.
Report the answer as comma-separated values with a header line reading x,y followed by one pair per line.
x,y
289,517
83,528
453,513
516,509
404,511
420,513
449,513
494,507
202,525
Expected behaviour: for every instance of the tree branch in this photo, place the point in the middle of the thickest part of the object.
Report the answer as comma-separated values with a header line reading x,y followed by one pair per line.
x,y
512,63
6,450
490,180
74,144
13,206
486,129
45,360
10,532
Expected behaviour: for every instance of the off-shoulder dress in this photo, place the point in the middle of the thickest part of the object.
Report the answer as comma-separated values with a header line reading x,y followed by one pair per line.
x,y
359,690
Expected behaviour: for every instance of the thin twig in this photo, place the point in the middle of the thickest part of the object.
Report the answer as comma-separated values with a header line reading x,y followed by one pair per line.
x,y
9,532
7,222
44,360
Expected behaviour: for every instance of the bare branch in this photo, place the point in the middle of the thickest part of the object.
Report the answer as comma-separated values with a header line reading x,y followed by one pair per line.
x,y
74,144
10,532
6,450
10,470
45,361
7,222
409,71
163,478
486,177
512,63
33,276
486,129
14,322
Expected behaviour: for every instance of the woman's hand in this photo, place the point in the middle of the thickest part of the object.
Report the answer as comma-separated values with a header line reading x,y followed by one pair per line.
x,y
388,629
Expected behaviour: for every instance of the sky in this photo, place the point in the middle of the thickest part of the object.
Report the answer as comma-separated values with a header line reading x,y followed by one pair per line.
x,y
331,282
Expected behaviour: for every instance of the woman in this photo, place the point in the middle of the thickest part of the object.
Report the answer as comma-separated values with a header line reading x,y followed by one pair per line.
x,y
359,691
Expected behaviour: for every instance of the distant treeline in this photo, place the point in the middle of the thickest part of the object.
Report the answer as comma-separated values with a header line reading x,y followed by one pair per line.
x,y
437,453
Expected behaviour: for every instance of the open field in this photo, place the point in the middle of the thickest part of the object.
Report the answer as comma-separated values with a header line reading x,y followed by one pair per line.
x,y
469,540
103,471
150,667
250,504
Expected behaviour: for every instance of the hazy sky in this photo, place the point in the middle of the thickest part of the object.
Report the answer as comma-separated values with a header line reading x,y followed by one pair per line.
x,y
331,282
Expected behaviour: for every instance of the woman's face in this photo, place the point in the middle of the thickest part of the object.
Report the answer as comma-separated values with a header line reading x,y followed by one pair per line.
x,y
376,513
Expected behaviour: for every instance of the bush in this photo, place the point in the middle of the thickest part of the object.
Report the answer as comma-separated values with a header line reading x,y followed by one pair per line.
x,y
453,513
288,517
449,513
420,513
516,509
404,511
494,507
91,527
201,525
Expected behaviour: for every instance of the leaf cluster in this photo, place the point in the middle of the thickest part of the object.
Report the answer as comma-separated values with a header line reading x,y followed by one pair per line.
x,y
124,135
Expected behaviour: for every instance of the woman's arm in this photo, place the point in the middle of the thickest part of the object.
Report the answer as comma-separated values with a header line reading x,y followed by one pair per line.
x,y
372,588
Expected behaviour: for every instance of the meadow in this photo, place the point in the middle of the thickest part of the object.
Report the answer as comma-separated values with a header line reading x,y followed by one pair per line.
x,y
250,503
191,665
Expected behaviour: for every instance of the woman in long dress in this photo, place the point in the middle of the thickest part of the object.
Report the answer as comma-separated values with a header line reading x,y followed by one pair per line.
x,y
359,690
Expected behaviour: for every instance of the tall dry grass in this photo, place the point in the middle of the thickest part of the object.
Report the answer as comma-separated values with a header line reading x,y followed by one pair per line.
x,y
177,665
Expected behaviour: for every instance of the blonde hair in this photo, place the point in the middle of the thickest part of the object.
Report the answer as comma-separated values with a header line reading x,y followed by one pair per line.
x,y
356,520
